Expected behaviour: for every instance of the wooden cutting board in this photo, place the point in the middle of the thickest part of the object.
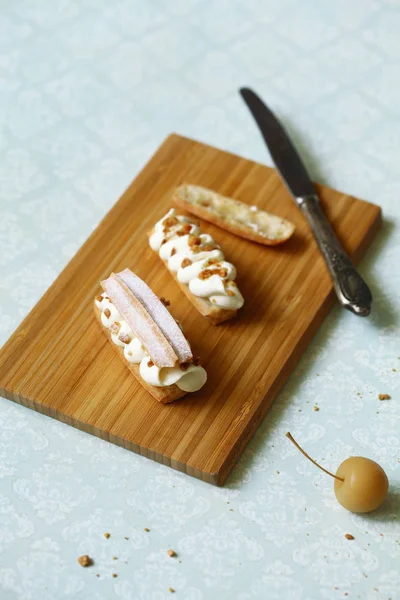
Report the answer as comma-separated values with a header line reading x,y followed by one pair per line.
x,y
59,363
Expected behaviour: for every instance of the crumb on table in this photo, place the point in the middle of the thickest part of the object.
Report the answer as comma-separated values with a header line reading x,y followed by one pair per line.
x,y
171,553
146,529
85,560
170,589
316,408
114,575
384,397
106,535
348,536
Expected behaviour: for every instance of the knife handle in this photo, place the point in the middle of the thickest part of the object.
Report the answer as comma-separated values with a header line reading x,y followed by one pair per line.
x,y
351,290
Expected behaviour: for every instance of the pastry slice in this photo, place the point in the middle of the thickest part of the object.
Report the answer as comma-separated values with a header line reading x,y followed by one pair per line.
x,y
246,221
147,337
197,263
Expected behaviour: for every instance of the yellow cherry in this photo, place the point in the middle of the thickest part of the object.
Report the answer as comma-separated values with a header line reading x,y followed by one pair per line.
x,y
361,485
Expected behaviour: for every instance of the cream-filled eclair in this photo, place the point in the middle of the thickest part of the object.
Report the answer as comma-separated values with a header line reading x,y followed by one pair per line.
x,y
147,337
197,263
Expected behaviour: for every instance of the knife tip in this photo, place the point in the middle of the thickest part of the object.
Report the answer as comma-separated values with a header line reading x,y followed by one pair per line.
x,y
244,90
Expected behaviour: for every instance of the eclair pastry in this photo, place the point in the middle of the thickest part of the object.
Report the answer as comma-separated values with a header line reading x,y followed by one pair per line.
x,y
197,263
147,337
249,222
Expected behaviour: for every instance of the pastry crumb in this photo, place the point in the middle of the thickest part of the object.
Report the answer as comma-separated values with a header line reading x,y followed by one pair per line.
x,y
106,535
384,397
85,560
170,589
146,529
126,538
316,408
171,553
348,536
114,558
114,575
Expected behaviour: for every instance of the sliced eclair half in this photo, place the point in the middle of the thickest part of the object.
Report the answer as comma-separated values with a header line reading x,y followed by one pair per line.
x,y
239,218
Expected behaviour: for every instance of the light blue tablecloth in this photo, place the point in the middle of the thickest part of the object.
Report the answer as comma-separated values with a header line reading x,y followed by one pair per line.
x,y
89,89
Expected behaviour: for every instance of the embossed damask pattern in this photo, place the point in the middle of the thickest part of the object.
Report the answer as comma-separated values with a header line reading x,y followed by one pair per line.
x,y
88,91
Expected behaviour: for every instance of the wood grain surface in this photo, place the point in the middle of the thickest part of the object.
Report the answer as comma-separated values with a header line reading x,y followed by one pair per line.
x,y
59,363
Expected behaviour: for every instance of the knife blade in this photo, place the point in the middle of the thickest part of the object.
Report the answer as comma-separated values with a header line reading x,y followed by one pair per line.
x,y
351,290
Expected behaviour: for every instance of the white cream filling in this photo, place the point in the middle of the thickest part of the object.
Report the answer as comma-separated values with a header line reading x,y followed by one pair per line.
x,y
173,249
190,380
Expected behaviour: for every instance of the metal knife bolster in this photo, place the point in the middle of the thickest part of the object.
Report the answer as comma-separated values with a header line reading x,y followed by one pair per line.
x,y
351,289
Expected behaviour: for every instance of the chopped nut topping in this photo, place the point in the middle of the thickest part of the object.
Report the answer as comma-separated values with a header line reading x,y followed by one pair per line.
x,y
163,241
124,338
150,363
173,251
184,230
164,301
186,263
210,272
184,366
205,203
99,298
206,248
170,222
194,240
205,274
107,312
230,293
85,560
115,327
213,261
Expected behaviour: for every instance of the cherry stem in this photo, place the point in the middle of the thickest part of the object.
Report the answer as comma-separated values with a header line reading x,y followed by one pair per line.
x,y
291,438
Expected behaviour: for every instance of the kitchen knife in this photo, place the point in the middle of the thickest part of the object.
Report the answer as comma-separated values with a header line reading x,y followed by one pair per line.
x,y
351,290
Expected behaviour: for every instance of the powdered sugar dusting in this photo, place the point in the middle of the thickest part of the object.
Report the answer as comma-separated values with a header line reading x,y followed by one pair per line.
x,y
159,313
144,328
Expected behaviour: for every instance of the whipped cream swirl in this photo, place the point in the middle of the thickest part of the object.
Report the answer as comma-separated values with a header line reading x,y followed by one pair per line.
x,y
197,260
189,380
